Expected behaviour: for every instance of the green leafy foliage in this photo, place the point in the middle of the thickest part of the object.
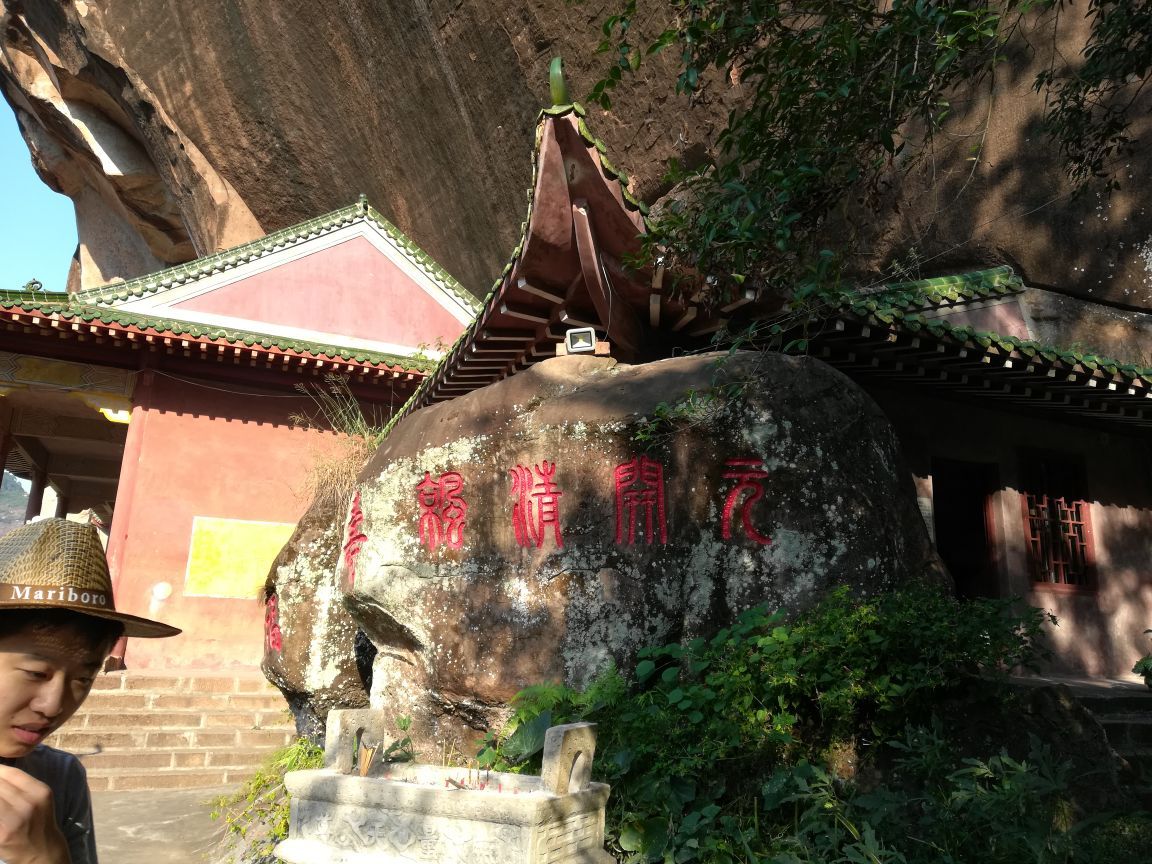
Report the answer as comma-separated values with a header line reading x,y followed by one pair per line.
x,y
1121,838
1092,104
256,816
713,749
840,98
1144,667
835,93
694,407
400,749
937,808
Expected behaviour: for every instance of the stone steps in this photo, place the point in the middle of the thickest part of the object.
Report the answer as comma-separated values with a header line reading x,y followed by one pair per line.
x,y
1126,715
181,731
1128,732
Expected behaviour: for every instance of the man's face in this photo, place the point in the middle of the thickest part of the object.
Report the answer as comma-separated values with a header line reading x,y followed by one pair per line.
x,y
45,674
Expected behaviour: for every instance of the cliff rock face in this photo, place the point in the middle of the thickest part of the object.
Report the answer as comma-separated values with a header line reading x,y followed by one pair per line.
x,y
994,191
537,529
183,128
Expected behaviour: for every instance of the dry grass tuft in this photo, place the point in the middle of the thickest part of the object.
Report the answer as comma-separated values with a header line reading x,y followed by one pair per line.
x,y
335,470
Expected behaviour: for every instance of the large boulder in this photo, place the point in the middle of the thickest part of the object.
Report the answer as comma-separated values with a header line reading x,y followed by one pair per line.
x,y
562,519
313,650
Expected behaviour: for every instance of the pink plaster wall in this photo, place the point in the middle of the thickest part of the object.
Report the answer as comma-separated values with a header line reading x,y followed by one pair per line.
x,y
1005,318
348,290
206,453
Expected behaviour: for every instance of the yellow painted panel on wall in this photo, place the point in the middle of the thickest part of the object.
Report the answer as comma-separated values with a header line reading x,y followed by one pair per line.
x,y
231,557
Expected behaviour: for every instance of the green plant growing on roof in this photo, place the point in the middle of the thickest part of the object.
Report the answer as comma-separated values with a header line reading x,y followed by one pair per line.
x,y
423,356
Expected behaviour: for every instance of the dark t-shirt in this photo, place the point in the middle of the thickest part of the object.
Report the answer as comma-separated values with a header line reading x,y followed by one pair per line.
x,y
65,776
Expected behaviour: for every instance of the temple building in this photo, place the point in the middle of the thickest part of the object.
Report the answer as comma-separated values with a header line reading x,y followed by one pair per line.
x,y
163,404
169,408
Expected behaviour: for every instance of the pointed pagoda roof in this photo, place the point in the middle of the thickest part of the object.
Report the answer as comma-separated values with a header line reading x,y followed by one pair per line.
x,y
572,268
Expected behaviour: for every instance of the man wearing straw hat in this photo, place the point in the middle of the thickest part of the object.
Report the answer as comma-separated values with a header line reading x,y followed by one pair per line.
x,y
57,624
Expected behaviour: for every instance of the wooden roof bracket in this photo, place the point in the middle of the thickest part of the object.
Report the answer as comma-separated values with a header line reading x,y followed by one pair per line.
x,y
615,313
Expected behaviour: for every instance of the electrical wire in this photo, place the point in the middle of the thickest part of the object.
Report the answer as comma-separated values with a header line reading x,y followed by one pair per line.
x,y
194,383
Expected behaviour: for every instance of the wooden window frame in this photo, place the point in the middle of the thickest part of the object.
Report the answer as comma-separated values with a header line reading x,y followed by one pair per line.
x,y
1083,505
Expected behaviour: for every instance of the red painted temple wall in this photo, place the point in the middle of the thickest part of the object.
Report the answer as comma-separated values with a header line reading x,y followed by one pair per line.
x,y
204,453
350,289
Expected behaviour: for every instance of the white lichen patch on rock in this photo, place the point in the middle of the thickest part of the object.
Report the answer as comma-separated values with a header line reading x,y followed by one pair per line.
x,y
1144,253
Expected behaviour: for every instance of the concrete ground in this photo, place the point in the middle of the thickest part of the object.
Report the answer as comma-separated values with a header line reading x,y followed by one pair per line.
x,y
156,827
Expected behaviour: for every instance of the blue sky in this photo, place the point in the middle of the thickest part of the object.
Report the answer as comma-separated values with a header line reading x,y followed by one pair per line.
x,y
37,226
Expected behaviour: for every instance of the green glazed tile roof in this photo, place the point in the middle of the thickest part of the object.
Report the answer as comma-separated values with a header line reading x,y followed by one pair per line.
x,y
77,311
897,306
229,258
993,284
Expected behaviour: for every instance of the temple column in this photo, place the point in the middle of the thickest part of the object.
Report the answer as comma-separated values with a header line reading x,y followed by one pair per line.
x,y
36,493
125,496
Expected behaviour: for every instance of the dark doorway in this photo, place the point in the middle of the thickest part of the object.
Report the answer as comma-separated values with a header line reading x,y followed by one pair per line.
x,y
961,506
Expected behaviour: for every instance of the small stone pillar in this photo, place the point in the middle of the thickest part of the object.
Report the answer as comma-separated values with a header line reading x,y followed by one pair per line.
x,y
568,753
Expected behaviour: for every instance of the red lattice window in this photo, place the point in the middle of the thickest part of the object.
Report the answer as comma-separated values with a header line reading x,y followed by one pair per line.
x,y
1056,525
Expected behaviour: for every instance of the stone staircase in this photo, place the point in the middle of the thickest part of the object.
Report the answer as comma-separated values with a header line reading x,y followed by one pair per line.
x,y
1126,715
147,730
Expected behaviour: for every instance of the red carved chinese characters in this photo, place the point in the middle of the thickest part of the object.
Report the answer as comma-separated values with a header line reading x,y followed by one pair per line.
x,y
273,638
749,474
354,538
442,510
640,496
537,504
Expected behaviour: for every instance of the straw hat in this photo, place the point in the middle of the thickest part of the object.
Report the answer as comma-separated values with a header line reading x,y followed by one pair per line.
x,y
57,564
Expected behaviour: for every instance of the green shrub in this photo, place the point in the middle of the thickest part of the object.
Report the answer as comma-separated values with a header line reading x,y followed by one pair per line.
x,y
713,749
1119,839
1143,667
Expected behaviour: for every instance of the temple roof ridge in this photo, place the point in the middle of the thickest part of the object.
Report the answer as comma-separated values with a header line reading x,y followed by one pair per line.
x,y
950,289
903,313
227,259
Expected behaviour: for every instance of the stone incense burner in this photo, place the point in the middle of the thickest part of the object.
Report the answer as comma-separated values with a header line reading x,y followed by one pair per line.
x,y
407,812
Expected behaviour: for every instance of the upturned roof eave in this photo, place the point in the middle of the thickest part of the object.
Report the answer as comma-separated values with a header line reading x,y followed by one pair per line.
x,y
441,375
16,305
